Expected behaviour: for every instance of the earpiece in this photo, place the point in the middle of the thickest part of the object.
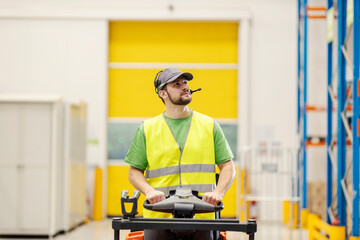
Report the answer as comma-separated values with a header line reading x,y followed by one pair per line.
x,y
156,81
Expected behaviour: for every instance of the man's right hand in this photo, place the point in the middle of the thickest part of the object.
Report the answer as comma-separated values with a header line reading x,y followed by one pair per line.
x,y
155,196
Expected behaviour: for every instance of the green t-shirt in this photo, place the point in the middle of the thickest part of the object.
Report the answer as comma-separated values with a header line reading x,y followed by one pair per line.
x,y
136,155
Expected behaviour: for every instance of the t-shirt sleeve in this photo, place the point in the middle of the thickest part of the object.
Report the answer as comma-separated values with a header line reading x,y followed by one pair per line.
x,y
136,155
223,151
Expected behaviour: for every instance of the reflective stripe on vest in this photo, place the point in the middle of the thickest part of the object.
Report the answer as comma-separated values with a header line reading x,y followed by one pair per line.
x,y
176,170
169,166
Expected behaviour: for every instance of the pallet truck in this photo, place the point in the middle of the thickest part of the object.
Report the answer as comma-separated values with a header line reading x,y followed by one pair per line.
x,y
183,203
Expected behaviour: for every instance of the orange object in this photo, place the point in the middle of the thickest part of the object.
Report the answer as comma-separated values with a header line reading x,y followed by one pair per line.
x,y
312,143
323,143
317,17
336,222
223,235
316,8
315,108
135,235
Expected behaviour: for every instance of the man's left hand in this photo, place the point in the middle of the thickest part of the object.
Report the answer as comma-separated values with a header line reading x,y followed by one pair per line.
x,y
212,197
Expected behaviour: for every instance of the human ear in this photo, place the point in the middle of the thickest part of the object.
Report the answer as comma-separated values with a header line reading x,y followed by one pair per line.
x,y
162,94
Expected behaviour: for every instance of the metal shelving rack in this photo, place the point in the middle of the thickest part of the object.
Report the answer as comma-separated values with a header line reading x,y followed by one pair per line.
x,y
347,105
348,110
329,115
346,102
356,116
303,106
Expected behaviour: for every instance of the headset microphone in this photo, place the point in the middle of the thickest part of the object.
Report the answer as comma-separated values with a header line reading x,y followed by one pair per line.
x,y
192,91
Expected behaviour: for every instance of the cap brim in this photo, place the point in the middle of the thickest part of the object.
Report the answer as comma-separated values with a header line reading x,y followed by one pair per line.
x,y
188,76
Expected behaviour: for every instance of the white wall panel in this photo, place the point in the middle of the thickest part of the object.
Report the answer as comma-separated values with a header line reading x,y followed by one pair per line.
x,y
67,57
273,71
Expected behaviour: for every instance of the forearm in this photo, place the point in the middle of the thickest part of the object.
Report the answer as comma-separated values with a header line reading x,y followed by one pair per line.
x,y
138,180
227,176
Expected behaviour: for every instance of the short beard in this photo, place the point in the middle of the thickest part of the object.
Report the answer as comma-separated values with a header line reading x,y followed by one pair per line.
x,y
179,101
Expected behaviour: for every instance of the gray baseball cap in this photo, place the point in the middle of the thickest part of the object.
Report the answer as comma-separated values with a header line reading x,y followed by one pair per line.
x,y
169,75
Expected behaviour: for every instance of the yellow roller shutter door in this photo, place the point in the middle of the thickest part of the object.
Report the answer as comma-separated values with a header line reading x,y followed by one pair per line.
x,y
131,91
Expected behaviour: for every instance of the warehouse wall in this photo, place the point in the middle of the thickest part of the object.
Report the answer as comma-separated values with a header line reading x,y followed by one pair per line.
x,y
66,57
273,71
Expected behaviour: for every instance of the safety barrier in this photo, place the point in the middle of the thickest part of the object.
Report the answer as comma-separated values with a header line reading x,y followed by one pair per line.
x,y
291,214
98,191
320,230
304,215
268,177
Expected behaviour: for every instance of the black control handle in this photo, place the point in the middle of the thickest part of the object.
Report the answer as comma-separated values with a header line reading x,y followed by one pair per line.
x,y
167,205
126,199
219,207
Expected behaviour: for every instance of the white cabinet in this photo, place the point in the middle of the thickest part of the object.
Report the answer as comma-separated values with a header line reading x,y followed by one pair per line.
x,y
34,166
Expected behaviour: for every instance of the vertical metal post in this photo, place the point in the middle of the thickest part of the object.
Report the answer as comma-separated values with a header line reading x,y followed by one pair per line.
x,y
304,157
116,234
251,236
299,67
298,155
329,125
355,119
341,136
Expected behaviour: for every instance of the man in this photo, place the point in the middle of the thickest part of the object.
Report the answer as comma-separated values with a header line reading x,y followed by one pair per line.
x,y
179,148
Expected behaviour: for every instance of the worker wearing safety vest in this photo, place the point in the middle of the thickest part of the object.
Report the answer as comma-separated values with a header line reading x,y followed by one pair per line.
x,y
180,147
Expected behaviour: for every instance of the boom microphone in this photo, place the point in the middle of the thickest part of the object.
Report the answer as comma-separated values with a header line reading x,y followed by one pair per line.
x,y
192,91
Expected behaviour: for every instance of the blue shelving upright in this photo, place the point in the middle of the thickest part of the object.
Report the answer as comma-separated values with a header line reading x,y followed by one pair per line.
x,y
347,100
329,116
355,121
302,96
